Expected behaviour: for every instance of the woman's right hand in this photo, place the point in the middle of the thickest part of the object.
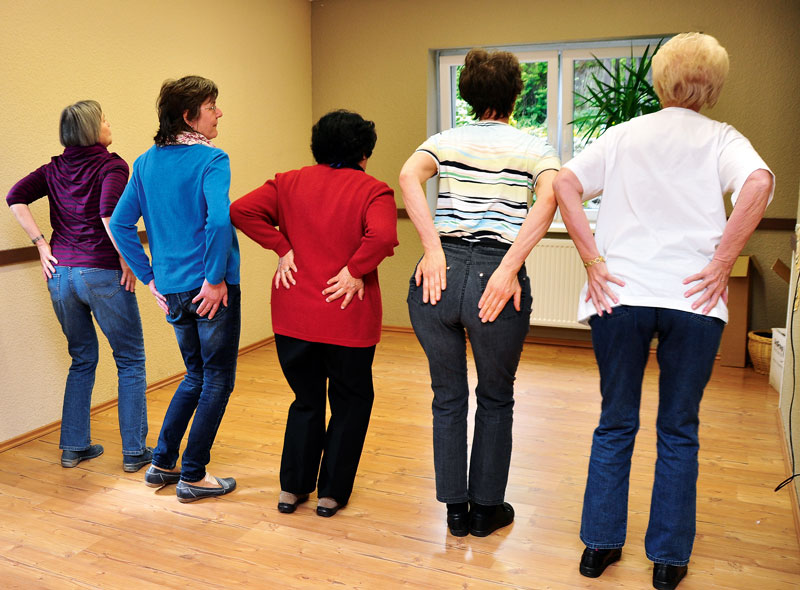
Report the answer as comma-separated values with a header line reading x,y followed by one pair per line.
x,y
46,258
160,299
599,290
432,274
284,273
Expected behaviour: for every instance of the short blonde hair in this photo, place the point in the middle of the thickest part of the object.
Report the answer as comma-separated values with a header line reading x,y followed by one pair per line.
x,y
689,71
80,123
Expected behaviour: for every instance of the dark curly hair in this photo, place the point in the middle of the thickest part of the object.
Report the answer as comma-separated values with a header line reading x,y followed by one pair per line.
x,y
490,82
177,96
342,138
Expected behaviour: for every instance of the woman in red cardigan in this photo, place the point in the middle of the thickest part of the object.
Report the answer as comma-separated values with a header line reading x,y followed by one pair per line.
x,y
331,224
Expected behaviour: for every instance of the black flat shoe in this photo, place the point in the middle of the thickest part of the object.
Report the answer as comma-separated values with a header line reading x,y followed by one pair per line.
x,y
158,478
289,507
186,492
72,458
667,577
484,522
595,561
328,512
458,523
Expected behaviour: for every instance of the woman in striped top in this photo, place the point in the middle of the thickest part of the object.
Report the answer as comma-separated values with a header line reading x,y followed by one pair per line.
x,y
471,280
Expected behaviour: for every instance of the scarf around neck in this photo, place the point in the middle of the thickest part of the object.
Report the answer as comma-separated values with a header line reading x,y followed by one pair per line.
x,y
191,138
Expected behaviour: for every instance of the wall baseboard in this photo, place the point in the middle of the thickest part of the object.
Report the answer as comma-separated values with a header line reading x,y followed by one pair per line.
x,y
53,426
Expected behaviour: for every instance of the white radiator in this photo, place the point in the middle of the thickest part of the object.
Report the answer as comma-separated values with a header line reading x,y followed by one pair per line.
x,y
557,276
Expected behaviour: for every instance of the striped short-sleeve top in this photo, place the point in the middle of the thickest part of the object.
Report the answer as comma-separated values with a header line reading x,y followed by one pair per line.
x,y
487,171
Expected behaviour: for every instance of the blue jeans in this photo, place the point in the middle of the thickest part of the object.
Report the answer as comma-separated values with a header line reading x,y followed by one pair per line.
x,y
687,346
209,348
496,346
76,294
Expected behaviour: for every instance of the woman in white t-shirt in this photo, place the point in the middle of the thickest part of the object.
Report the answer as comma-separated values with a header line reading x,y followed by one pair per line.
x,y
658,265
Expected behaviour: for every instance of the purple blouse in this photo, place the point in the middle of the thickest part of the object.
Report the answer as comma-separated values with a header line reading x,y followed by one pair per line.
x,y
84,185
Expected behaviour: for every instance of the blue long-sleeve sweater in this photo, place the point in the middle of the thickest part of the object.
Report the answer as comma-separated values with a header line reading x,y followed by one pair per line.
x,y
181,191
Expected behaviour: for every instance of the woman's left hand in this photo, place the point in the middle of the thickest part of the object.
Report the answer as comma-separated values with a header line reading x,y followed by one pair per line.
x,y
343,284
713,282
502,286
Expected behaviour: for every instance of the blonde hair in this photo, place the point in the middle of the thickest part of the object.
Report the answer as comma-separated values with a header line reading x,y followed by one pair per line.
x,y
80,123
689,71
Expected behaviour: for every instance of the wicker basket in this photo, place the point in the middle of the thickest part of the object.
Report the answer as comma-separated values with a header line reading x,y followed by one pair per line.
x,y
759,345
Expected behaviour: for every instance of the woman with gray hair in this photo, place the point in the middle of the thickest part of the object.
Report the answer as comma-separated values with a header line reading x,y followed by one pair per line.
x,y
658,265
87,277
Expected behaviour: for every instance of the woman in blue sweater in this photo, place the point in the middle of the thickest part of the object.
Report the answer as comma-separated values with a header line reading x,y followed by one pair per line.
x,y
180,187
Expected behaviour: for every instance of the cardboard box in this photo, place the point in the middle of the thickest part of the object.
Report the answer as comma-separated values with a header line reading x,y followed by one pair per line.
x,y
778,355
733,348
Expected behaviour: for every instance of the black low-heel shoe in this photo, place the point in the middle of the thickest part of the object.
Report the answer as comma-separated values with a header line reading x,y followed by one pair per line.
x,y
667,577
458,523
595,561
289,507
328,512
484,521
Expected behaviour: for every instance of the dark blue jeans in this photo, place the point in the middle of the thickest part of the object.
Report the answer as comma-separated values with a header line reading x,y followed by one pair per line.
x,y
496,346
687,346
209,349
77,294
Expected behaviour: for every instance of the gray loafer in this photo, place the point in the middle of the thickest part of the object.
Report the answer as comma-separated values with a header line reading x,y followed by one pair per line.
x,y
133,463
72,458
158,478
186,492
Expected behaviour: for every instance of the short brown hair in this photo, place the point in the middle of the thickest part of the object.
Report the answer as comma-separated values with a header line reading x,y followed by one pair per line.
x,y
177,97
689,71
490,82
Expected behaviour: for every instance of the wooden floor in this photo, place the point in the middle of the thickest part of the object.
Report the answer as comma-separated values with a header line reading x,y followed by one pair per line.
x,y
97,527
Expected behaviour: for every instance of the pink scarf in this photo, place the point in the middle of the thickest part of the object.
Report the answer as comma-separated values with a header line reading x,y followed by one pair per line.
x,y
191,138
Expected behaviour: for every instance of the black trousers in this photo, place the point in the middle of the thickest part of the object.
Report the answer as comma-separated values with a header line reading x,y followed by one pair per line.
x,y
309,448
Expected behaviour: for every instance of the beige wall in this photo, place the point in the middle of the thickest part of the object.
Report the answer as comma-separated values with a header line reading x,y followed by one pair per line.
x,y
54,53
789,405
382,68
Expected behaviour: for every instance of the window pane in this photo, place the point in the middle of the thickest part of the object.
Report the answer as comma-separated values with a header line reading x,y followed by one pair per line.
x,y
612,83
530,112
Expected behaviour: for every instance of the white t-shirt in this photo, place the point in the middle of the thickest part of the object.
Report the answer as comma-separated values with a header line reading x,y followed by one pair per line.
x,y
663,177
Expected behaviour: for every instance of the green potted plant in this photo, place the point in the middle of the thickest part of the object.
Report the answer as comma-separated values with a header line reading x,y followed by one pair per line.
x,y
619,93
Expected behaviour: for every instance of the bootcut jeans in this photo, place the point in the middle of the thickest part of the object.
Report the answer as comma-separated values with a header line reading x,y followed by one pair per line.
x,y
687,346
442,330
77,294
210,348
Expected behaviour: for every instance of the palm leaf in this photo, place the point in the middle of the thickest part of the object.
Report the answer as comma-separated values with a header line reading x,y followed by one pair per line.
x,y
616,94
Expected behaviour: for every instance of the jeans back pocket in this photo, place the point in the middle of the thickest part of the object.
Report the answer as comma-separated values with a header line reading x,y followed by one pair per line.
x,y
102,282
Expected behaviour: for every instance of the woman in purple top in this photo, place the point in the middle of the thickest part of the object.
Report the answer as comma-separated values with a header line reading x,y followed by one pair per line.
x,y
86,276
